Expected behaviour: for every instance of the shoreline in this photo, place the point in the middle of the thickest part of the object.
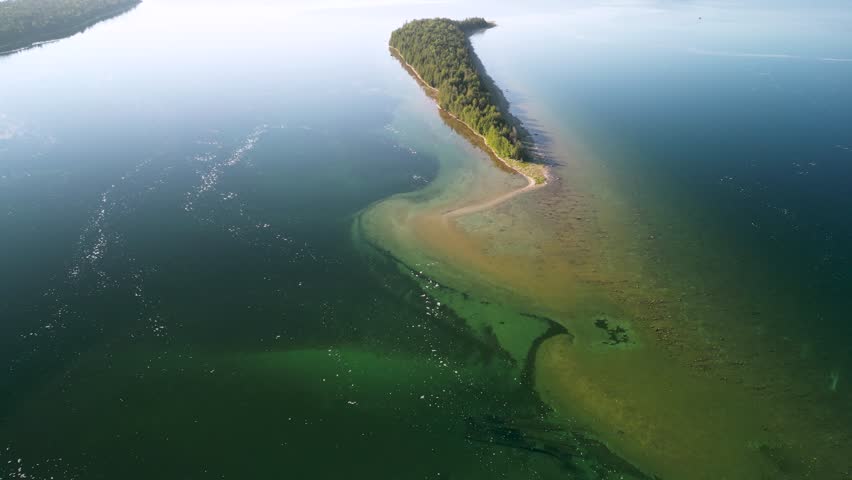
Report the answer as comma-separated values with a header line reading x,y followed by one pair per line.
x,y
611,395
532,183
67,31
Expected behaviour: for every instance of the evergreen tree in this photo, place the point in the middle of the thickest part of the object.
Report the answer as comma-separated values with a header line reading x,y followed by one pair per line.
x,y
440,51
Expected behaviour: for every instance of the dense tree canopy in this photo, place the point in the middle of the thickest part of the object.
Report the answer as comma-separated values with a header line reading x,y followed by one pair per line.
x,y
23,22
473,24
440,51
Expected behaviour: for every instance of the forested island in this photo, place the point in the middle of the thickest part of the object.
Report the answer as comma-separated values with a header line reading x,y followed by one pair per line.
x,y
440,53
24,23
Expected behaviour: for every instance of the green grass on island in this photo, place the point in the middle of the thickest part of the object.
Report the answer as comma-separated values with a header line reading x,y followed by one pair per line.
x,y
439,50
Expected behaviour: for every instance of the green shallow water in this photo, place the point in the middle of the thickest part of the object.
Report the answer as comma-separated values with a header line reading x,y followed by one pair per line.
x,y
686,246
182,296
239,266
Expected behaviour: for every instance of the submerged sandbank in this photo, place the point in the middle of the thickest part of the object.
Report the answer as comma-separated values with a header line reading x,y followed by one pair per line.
x,y
571,253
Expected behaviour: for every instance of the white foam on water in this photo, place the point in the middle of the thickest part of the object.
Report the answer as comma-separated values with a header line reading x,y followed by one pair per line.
x,y
13,467
211,174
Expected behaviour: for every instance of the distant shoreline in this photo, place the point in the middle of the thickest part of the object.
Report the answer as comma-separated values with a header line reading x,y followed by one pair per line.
x,y
532,182
44,38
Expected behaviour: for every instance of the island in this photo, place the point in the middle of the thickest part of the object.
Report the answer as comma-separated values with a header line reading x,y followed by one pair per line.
x,y
439,53
28,23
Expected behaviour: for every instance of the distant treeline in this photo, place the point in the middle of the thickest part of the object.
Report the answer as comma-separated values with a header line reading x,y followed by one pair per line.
x,y
24,22
441,53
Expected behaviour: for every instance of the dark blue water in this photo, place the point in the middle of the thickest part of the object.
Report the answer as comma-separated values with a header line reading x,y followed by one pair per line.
x,y
182,298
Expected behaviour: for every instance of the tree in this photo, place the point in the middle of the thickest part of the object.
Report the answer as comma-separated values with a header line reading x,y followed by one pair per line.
x,y
440,51
23,22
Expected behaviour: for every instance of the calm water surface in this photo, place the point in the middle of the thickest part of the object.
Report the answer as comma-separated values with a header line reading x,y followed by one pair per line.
x,y
726,129
193,285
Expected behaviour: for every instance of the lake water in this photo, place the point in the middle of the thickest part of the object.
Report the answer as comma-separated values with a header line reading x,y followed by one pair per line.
x,y
229,247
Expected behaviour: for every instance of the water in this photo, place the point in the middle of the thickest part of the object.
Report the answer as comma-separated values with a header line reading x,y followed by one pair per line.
x,y
728,137
182,295
226,254
717,134
690,245
726,129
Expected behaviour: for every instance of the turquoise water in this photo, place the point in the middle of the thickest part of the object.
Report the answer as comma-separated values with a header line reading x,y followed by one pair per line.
x,y
182,296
